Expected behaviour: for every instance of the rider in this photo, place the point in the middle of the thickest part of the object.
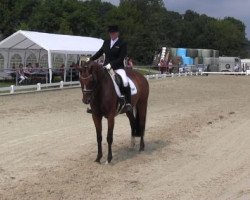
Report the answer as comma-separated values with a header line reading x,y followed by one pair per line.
x,y
115,50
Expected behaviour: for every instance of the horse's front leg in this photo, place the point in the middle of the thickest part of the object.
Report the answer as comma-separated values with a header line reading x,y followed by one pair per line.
x,y
98,127
111,122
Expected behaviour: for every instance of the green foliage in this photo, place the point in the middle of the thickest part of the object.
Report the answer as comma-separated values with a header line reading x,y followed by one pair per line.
x,y
146,25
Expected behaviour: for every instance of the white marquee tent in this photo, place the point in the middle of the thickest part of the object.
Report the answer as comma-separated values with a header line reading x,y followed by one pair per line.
x,y
52,43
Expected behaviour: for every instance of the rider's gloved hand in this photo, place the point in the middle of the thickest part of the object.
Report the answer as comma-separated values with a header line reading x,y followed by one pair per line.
x,y
108,66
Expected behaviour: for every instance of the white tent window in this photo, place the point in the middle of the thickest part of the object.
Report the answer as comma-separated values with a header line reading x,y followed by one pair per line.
x,y
58,61
71,59
1,61
31,59
15,61
44,61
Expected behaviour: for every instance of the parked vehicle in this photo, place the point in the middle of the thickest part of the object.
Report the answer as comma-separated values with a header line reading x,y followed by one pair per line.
x,y
229,64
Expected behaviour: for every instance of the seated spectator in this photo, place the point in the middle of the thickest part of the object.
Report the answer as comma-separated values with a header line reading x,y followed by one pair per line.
x,y
30,68
21,74
13,66
36,67
130,63
62,67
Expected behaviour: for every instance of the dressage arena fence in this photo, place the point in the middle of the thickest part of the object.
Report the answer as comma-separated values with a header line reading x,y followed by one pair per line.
x,y
160,76
61,85
38,87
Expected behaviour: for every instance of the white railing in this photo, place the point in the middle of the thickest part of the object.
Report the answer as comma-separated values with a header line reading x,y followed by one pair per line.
x,y
38,87
160,76
60,85
227,73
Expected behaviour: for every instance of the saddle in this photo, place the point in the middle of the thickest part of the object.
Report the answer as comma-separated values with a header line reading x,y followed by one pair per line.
x,y
122,99
120,90
118,80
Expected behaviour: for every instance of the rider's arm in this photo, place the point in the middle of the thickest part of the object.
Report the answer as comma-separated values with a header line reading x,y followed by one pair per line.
x,y
99,53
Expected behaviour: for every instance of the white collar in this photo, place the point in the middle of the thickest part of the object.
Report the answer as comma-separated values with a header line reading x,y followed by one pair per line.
x,y
112,42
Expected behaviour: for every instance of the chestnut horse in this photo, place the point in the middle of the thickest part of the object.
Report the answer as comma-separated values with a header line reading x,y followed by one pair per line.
x,y
99,91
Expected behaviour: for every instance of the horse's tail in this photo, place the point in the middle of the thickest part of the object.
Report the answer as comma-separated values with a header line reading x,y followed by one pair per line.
x,y
140,121
141,105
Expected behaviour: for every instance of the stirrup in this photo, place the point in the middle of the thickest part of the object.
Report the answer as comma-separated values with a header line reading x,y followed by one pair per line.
x,y
127,108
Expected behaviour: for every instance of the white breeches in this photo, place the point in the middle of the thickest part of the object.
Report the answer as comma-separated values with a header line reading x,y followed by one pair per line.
x,y
22,77
123,74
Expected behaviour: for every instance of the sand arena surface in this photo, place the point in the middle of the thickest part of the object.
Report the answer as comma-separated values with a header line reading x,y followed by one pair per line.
x,y
197,145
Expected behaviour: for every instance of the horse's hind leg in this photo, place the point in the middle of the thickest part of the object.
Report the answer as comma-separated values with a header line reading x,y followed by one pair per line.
x,y
142,144
141,119
98,126
132,122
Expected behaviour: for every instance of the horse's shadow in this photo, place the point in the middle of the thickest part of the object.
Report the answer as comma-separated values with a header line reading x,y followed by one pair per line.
x,y
125,153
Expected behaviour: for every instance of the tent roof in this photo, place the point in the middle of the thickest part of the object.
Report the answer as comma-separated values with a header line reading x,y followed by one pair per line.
x,y
55,43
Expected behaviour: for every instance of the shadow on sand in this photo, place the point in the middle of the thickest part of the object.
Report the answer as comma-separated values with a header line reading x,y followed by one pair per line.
x,y
124,153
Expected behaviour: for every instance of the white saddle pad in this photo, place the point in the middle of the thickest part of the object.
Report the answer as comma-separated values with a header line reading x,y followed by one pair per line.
x,y
131,84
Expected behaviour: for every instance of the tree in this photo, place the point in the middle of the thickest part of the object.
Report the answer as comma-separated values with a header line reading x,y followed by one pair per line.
x,y
226,37
145,24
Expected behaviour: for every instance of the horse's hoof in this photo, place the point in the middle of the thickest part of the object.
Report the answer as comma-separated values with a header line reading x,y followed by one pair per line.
x,y
132,143
141,149
89,110
98,160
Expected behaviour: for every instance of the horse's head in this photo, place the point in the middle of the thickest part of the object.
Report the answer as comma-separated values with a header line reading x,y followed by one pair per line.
x,y
87,80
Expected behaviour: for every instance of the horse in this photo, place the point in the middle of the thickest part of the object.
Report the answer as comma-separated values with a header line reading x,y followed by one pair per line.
x,y
99,91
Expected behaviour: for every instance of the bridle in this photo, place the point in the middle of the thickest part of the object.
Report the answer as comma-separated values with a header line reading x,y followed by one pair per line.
x,y
84,90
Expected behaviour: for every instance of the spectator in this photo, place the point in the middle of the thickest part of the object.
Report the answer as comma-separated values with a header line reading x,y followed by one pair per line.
x,y
30,68
236,67
162,66
21,74
170,67
73,73
13,66
62,71
130,63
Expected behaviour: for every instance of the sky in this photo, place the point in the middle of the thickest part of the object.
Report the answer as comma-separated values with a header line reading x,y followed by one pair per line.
x,y
239,9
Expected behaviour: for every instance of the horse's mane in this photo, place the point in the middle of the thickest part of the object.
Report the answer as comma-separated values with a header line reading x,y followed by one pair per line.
x,y
96,67
100,74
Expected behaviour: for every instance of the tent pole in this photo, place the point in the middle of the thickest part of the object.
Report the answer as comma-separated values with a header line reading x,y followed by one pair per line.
x,y
8,64
65,66
24,59
50,65
39,57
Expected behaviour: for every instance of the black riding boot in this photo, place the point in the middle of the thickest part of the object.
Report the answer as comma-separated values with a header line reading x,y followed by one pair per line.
x,y
127,93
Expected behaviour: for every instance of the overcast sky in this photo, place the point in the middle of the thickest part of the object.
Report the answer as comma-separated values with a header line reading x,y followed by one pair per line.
x,y
239,9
